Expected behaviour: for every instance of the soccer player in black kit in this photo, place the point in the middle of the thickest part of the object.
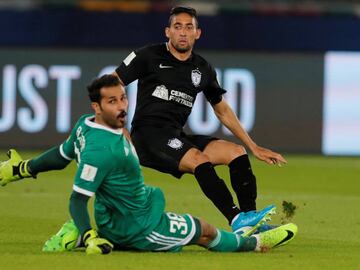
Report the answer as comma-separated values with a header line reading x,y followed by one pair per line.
x,y
170,76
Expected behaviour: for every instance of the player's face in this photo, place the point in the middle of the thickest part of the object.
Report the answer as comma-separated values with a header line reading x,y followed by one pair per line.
x,y
112,110
182,32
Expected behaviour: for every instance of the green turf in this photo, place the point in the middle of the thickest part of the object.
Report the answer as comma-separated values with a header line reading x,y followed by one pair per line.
x,y
326,192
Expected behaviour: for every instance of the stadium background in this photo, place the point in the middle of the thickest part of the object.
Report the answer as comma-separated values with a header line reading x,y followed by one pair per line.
x,y
290,67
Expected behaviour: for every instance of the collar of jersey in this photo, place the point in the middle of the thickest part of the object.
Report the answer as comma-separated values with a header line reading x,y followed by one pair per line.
x,y
174,58
92,124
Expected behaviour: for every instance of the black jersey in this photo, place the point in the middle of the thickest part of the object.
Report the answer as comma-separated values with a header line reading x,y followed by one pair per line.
x,y
167,87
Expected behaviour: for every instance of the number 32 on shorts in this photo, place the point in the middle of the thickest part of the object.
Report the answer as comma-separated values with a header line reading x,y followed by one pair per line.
x,y
177,223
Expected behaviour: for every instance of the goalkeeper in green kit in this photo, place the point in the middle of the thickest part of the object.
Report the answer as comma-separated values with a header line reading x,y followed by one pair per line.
x,y
128,214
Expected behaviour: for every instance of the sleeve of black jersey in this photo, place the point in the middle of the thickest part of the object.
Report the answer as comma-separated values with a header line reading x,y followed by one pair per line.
x,y
133,67
213,92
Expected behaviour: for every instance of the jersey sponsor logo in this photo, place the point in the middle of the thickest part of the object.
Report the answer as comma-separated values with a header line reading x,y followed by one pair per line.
x,y
196,77
180,97
175,143
129,58
164,66
88,173
161,92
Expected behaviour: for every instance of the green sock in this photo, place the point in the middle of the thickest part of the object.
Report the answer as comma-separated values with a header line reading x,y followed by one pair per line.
x,y
249,244
229,242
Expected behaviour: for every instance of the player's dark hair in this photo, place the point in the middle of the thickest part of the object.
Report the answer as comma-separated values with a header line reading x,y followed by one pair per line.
x,y
188,10
107,80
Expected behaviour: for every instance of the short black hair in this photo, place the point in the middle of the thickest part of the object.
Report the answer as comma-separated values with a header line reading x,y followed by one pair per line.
x,y
106,80
188,10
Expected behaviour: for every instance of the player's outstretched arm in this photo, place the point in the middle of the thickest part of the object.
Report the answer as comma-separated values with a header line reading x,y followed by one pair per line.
x,y
16,168
13,169
228,118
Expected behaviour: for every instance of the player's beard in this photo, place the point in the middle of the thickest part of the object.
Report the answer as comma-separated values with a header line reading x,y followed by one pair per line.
x,y
115,122
122,118
180,49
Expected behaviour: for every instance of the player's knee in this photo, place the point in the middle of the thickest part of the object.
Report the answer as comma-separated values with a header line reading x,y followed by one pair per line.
x,y
192,159
236,151
200,158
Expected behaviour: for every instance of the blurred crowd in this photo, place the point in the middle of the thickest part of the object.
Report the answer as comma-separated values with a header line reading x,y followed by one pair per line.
x,y
204,7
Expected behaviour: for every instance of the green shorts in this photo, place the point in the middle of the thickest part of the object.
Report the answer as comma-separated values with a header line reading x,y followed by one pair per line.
x,y
172,233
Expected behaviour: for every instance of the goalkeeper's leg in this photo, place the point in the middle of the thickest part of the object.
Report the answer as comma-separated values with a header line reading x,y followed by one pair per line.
x,y
66,239
223,241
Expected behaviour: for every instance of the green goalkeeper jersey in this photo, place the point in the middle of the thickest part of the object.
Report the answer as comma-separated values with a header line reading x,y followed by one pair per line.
x,y
108,167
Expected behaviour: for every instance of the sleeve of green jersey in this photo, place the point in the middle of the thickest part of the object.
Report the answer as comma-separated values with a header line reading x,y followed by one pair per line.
x,y
93,168
66,149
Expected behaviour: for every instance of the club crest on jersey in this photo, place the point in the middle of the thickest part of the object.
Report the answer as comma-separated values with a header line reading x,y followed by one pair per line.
x,y
175,143
161,92
196,77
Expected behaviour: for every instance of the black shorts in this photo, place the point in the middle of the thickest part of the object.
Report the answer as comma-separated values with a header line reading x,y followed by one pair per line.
x,y
163,148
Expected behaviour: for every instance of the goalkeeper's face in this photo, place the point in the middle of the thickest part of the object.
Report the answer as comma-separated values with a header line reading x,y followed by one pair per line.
x,y
112,109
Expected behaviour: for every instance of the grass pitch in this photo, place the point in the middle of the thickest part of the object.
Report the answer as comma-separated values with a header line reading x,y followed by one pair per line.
x,y
325,191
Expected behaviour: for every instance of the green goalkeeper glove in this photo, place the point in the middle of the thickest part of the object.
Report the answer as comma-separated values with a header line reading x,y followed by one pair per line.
x,y
96,245
13,169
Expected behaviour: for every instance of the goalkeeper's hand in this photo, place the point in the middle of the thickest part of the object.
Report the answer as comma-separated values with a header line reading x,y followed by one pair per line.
x,y
13,169
96,245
